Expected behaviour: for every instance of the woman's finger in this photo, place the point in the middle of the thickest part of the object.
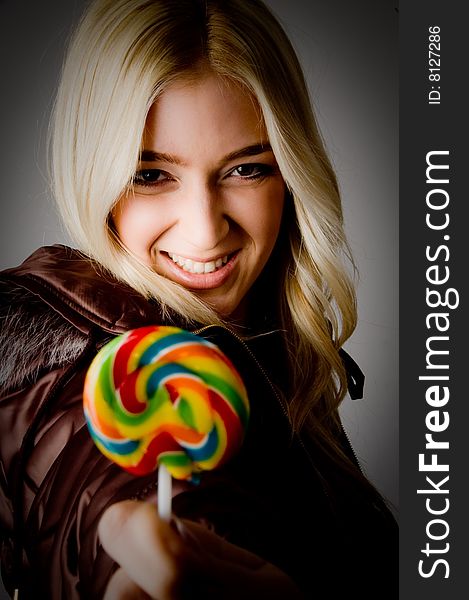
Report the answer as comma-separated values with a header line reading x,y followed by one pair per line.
x,y
121,587
151,553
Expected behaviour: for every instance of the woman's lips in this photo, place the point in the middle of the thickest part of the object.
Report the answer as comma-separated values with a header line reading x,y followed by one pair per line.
x,y
199,281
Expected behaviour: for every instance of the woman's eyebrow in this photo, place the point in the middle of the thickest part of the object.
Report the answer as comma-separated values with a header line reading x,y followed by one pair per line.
x,y
152,156
252,150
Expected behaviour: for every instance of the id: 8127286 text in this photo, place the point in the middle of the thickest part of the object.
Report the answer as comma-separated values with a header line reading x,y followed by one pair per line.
x,y
434,64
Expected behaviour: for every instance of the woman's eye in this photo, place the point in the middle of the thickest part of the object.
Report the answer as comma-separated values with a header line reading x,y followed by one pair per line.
x,y
251,171
149,177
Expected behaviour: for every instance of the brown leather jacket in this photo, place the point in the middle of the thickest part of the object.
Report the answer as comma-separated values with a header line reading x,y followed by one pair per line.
x,y
281,497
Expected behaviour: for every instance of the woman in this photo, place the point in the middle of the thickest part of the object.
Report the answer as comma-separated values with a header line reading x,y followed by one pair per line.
x,y
188,167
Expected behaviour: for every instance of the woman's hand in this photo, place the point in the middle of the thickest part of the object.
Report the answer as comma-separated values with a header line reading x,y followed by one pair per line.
x,y
183,560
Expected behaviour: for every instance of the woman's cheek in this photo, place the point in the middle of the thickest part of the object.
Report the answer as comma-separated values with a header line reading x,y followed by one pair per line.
x,y
139,225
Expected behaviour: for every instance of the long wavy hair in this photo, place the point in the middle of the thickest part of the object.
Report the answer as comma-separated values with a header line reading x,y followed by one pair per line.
x,y
122,56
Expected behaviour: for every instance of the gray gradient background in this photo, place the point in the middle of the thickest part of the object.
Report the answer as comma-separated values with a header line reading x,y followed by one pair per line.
x,y
349,53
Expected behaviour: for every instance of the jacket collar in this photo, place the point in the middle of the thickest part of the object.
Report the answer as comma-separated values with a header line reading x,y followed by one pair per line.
x,y
82,291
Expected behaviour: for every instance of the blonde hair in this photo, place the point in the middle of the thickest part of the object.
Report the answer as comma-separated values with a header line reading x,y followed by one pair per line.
x,y
123,55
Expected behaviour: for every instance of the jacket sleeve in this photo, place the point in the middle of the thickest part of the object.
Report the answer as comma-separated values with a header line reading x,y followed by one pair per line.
x,y
49,468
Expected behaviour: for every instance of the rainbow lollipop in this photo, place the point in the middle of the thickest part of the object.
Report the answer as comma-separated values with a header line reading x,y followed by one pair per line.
x,y
163,396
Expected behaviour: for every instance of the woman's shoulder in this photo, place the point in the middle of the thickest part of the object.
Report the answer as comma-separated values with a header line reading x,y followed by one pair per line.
x,y
52,304
81,290
33,337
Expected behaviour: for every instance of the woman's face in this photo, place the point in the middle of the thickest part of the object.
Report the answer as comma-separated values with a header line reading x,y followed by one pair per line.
x,y
208,196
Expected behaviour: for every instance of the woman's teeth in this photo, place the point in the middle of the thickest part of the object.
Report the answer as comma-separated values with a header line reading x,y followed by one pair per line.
x,y
193,266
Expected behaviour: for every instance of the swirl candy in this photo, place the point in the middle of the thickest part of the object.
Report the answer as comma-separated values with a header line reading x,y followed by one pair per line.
x,y
161,395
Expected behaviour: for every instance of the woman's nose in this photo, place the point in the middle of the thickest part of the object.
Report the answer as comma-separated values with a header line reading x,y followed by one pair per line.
x,y
202,218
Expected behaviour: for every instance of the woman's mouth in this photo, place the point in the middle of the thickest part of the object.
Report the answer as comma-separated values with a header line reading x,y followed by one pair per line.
x,y
197,274
192,266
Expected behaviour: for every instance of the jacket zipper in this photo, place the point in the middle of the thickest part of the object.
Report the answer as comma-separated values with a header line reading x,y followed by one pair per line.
x,y
352,448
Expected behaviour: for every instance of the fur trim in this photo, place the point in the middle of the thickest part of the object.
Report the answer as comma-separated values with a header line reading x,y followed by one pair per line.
x,y
33,338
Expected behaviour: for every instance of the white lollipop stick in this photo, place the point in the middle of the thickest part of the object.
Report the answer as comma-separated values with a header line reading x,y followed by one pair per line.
x,y
164,493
